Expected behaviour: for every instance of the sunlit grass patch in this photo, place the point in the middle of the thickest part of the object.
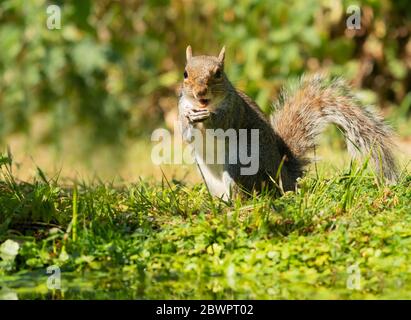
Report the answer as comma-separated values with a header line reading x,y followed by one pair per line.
x,y
169,239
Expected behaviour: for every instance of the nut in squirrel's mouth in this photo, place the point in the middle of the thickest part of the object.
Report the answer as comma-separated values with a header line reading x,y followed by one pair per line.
x,y
204,102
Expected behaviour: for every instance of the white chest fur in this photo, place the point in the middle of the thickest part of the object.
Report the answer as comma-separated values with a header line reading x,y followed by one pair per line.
x,y
207,156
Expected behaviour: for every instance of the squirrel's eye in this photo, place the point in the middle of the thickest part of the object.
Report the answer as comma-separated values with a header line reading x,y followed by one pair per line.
x,y
185,74
218,74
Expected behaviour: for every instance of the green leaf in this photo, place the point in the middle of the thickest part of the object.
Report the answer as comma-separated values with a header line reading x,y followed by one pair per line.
x,y
9,250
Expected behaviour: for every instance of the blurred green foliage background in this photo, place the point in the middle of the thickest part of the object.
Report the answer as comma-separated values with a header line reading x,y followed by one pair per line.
x,y
112,69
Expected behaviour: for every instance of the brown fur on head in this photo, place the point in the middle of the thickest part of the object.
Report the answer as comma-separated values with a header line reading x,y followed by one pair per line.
x,y
204,79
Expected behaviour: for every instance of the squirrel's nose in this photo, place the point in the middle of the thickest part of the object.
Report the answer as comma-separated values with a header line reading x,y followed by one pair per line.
x,y
200,92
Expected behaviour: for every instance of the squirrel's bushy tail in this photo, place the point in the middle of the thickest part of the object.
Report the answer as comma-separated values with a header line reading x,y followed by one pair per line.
x,y
303,112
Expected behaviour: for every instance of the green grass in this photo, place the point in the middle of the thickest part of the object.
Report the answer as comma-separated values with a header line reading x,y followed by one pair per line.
x,y
168,240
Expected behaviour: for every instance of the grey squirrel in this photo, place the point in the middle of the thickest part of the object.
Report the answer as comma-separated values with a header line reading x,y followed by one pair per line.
x,y
207,100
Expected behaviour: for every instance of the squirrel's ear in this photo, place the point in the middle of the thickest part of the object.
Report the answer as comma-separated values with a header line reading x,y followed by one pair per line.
x,y
189,53
222,55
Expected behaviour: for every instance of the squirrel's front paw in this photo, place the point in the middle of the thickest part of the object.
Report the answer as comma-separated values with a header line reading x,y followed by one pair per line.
x,y
198,115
